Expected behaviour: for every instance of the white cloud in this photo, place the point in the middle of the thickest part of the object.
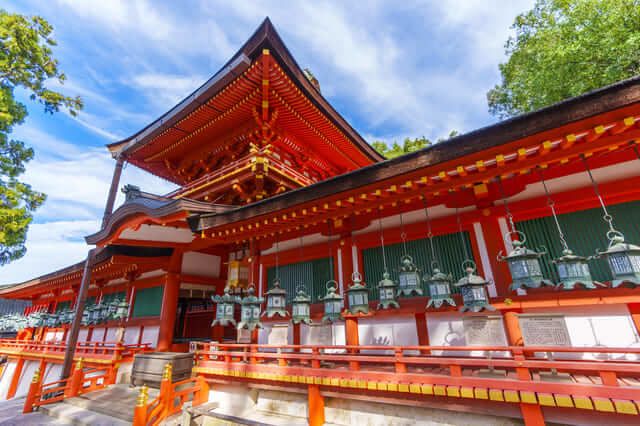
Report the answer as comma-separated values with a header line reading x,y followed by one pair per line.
x,y
51,246
166,90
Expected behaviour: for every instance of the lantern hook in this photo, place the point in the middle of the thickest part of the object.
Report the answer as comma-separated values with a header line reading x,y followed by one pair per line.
x,y
331,284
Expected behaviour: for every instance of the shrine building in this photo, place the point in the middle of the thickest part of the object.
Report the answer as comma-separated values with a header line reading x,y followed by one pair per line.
x,y
490,278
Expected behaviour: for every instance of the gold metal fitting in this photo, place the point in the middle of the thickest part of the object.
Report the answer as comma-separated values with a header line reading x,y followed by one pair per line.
x,y
143,396
80,363
36,376
166,373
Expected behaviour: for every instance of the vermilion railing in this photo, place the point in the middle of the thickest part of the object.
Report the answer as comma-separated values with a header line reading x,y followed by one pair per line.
x,y
170,400
81,381
503,373
94,350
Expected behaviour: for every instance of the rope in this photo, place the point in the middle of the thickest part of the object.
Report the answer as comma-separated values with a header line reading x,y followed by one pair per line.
x,y
464,244
512,225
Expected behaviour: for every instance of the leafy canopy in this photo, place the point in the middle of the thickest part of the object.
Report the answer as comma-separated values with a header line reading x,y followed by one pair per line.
x,y
25,61
563,48
408,145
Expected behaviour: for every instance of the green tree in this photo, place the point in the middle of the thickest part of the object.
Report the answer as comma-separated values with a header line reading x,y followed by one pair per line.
x,y
26,61
563,48
408,145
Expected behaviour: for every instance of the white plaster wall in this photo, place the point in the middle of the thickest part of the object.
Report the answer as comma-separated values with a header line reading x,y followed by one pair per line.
x,y
447,330
263,334
52,373
597,325
82,335
50,336
131,335
28,370
397,331
112,334
5,380
338,336
97,335
59,335
150,335
202,264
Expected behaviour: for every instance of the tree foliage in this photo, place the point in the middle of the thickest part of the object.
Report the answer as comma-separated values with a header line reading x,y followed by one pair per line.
x,y
563,48
408,145
26,61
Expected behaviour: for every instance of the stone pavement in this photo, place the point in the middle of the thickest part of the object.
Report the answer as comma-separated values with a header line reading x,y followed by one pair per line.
x,y
11,415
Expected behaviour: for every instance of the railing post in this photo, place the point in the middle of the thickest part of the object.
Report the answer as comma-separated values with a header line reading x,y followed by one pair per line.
x,y
202,395
281,361
521,371
75,384
113,374
32,394
315,360
315,406
400,366
252,358
165,389
140,410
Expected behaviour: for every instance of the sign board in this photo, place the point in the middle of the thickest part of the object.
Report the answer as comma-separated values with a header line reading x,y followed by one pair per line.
x,y
484,331
244,335
320,334
544,330
278,335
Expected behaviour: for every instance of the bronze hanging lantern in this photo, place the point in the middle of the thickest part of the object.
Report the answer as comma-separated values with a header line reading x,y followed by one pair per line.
x,y
358,295
572,269
387,288
387,293
473,289
409,278
439,286
225,308
250,310
524,263
301,307
623,258
332,303
276,301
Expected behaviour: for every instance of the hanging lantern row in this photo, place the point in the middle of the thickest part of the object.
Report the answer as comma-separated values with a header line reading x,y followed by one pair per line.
x,y
102,312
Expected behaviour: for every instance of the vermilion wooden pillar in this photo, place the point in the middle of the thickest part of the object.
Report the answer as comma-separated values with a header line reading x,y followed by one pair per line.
x,y
532,415
169,311
423,331
512,327
315,406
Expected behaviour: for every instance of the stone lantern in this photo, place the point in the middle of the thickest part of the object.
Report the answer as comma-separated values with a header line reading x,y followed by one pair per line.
x,y
358,295
276,301
225,308
387,293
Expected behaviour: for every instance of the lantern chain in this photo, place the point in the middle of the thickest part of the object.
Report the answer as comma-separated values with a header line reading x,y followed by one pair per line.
x,y
384,257
552,207
277,258
330,248
434,259
596,189
464,244
403,235
512,226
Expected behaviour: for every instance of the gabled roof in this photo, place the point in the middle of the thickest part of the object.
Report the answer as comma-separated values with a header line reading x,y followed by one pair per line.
x,y
149,205
264,37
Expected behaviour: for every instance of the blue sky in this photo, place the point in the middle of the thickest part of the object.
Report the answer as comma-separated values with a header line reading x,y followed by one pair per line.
x,y
393,69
